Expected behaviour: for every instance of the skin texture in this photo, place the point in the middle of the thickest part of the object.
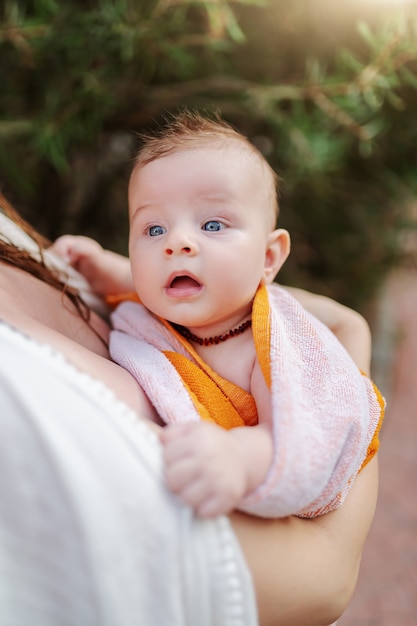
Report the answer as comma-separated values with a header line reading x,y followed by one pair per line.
x,y
304,571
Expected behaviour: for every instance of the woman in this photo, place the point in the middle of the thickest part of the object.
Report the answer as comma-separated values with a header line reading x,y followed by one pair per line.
x,y
304,572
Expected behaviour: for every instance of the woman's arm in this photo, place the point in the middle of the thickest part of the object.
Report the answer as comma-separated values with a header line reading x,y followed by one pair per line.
x,y
305,571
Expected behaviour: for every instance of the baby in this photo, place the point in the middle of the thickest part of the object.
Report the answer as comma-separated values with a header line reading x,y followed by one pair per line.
x,y
267,412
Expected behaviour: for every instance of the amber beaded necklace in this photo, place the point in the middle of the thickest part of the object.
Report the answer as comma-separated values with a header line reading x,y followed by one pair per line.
x,y
212,341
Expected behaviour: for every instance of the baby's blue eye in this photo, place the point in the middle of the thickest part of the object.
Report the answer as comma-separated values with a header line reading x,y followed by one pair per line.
x,y
213,226
154,231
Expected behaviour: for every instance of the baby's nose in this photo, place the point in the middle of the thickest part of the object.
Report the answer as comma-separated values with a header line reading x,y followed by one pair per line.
x,y
184,249
180,244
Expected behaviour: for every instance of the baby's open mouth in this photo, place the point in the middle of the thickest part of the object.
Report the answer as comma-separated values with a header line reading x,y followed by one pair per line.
x,y
183,286
182,282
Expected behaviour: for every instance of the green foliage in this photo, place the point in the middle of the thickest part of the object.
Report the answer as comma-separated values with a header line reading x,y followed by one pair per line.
x,y
327,96
66,69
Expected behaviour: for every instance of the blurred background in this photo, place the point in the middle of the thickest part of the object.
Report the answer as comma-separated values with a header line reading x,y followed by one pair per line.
x,y
327,90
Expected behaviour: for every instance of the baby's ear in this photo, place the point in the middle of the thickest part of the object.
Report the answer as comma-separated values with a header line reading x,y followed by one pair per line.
x,y
276,252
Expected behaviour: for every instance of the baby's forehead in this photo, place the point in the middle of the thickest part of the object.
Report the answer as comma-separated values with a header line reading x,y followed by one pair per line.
x,y
234,153
231,151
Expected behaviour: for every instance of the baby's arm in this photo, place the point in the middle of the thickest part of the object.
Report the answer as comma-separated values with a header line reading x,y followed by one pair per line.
x,y
210,468
107,272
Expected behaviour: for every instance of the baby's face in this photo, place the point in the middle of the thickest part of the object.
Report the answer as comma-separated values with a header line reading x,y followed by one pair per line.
x,y
198,235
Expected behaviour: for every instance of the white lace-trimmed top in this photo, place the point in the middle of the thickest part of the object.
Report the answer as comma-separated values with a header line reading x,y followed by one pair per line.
x,y
89,534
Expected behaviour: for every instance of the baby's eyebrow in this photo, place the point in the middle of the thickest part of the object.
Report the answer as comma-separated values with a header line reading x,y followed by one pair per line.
x,y
140,209
216,197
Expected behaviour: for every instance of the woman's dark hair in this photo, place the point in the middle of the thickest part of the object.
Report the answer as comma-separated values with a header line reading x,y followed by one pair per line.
x,y
22,259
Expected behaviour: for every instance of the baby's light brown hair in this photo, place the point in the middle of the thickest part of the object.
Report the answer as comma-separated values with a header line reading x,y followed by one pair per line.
x,y
190,130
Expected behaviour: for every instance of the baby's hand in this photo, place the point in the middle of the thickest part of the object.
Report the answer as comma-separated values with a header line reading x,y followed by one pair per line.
x,y
106,271
76,248
205,466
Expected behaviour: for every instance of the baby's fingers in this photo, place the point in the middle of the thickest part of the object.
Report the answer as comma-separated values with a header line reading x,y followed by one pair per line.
x,y
180,473
62,246
73,247
199,494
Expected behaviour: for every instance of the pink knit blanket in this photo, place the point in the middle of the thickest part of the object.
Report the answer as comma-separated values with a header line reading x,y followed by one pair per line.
x,y
326,414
